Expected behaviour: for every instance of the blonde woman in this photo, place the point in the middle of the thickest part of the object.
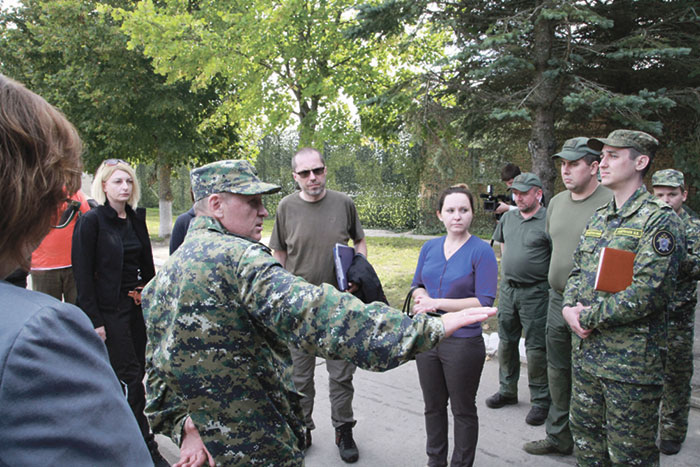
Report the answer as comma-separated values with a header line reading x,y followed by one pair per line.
x,y
112,261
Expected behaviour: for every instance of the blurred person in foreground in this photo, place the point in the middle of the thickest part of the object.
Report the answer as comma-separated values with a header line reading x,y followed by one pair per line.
x,y
454,272
221,313
112,261
669,186
59,399
618,353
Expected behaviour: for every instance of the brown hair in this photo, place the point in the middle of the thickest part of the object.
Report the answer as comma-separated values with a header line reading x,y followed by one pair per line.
x,y
39,166
459,188
306,151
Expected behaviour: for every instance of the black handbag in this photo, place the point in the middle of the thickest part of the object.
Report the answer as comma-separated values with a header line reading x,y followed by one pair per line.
x,y
409,300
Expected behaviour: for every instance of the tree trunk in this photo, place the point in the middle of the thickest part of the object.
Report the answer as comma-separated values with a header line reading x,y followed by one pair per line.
x,y
542,142
165,200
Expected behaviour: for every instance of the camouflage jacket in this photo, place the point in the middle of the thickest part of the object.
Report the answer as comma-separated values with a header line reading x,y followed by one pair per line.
x,y
689,272
629,327
219,316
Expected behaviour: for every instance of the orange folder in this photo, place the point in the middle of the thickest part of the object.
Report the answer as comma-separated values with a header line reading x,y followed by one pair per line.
x,y
614,270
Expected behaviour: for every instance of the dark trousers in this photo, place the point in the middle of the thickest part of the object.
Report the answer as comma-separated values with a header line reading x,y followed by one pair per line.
x,y
59,283
558,373
523,311
126,345
451,370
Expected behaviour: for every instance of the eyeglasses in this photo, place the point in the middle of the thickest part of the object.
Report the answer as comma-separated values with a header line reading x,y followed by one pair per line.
x,y
113,162
72,209
317,171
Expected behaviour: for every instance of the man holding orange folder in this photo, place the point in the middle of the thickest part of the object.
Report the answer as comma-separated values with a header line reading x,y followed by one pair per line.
x,y
618,351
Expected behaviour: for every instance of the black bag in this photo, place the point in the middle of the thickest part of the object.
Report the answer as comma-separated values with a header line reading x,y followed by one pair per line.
x,y
409,300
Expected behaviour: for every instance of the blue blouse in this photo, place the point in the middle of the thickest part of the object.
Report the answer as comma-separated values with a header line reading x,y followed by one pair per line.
x,y
472,271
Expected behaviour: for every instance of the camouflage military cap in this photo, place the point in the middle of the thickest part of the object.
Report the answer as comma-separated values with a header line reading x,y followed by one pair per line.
x,y
668,177
231,176
642,142
525,181
575,148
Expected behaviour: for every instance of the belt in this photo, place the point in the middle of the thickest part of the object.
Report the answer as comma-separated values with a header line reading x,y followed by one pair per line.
x,y
522,285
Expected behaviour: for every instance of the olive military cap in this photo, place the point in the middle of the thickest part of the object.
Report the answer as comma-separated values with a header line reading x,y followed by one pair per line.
x,y
525,181
644,143
230,176
575,148
668,177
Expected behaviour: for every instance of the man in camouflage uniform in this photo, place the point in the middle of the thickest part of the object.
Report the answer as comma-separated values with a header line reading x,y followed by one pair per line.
x,y
669,187
617,356
220,314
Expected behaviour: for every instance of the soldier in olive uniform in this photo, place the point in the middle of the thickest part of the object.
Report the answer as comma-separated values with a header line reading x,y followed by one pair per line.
x,y
523,298
220,315
618,356
567,216
669,187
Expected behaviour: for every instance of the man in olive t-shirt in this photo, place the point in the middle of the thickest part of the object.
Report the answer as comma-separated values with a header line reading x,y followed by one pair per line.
x,y
307,226
523,297
567,216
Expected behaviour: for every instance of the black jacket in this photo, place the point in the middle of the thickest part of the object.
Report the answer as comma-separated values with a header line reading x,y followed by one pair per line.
x,y
362,273
97,256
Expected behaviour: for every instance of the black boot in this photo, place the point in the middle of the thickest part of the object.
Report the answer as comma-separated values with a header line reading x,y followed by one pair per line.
x,y
346,445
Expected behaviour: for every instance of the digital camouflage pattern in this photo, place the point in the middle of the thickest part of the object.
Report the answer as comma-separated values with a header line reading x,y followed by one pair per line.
x,y
230,176
219,316
668,177
644,143
675,403
628,341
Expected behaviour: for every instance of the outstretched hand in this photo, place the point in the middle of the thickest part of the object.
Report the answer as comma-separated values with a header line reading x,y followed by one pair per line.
x,y
458,319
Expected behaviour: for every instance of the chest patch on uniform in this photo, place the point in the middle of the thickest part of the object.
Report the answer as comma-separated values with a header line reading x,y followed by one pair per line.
x,y
627,232
593,233
664,243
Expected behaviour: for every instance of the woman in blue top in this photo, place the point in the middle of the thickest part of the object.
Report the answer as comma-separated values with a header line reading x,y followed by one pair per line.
x,y
454,272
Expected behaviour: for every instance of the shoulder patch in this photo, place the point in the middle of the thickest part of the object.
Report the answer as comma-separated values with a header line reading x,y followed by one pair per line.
x,y
595,233
664,242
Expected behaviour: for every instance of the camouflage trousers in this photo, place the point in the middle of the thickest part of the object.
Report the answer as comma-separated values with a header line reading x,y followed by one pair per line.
x,y
675,403
612,422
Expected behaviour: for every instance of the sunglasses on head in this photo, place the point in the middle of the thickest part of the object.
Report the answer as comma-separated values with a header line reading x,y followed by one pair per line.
x,y
68,215
113,162
317,171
